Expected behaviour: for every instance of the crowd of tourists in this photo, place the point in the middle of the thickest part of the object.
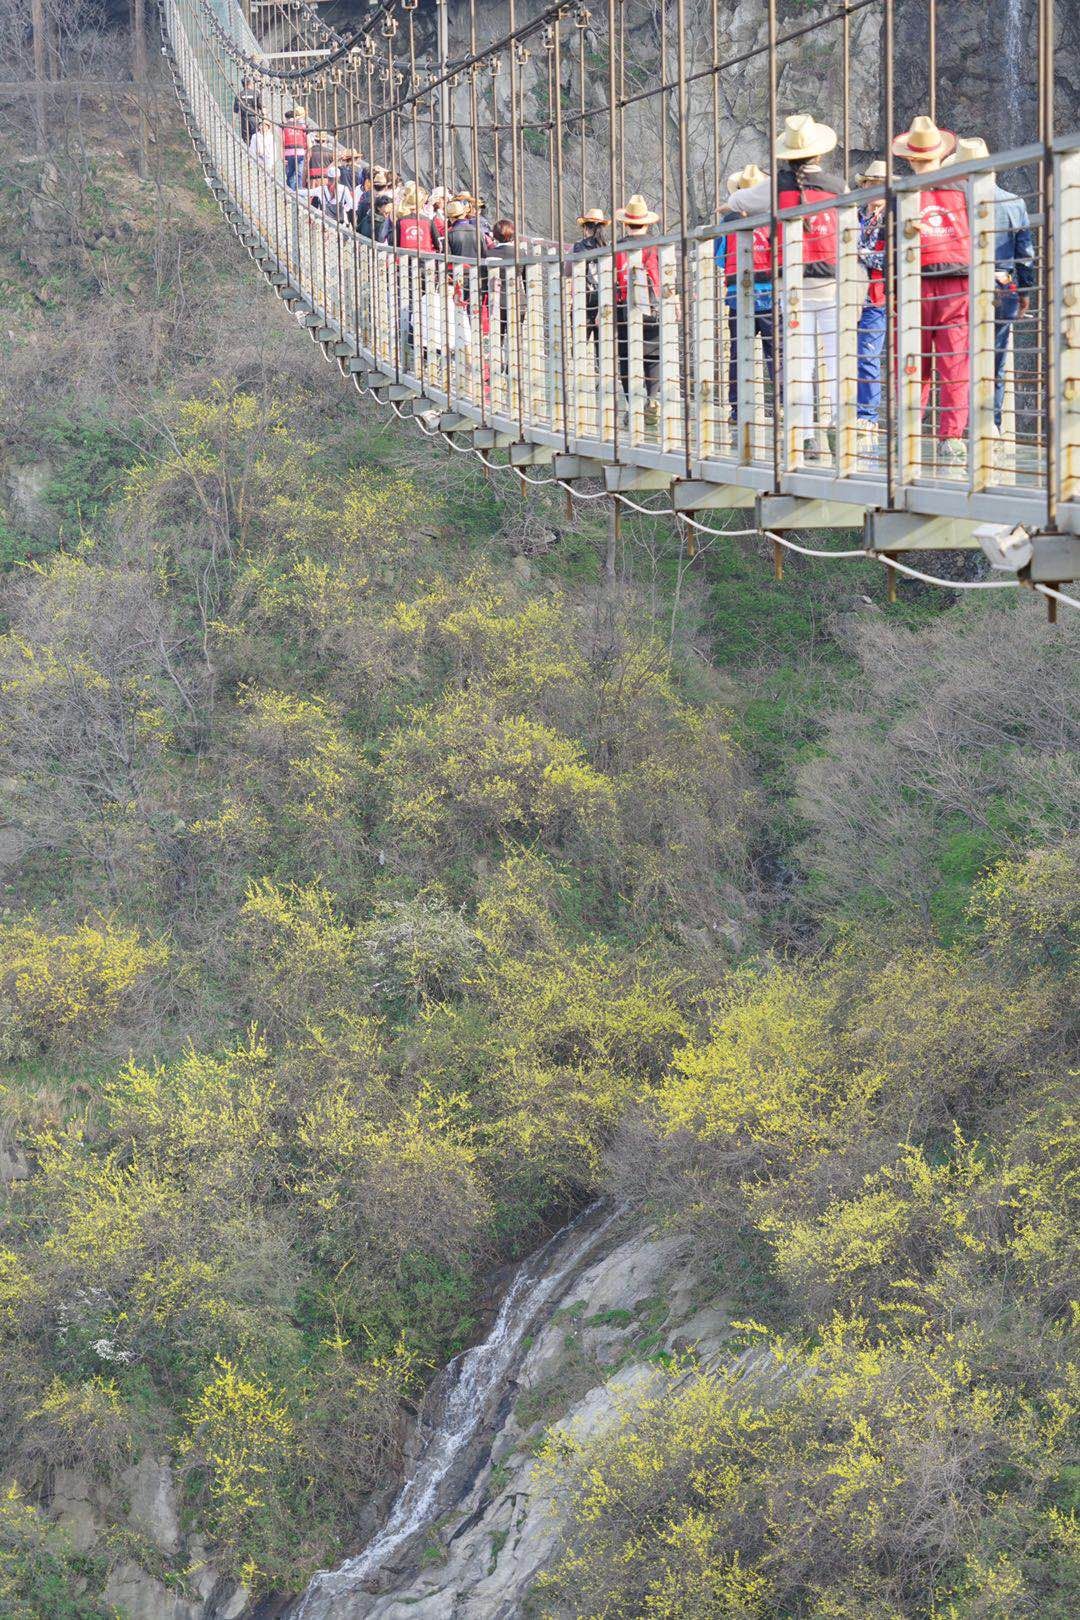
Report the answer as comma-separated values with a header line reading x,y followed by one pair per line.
x,y
381,205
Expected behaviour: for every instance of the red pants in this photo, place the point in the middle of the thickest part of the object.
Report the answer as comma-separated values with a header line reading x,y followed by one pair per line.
x,y
945,335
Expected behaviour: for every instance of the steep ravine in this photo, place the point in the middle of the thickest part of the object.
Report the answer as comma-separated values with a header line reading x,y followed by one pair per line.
x,y
581,1320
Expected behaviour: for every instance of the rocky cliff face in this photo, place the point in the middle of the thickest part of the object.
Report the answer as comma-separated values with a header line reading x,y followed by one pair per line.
x,y
487,1539
986,79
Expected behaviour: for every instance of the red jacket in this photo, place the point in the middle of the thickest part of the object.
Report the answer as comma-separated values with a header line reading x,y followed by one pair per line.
x,y
293,138
762,252
415,233
650,260
820,236
945,237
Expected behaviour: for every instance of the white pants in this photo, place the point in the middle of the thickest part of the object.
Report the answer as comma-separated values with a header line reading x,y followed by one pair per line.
x,y
813,343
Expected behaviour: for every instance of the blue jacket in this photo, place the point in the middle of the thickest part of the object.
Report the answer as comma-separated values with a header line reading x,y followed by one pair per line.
x,y
1014,250
762,284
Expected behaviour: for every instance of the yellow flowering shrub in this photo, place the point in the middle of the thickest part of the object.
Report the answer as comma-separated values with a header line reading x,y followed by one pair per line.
x,y
475,629
206,1117
768,1085
840,1479
303,956
83,1425
463,770
61,989
240,1435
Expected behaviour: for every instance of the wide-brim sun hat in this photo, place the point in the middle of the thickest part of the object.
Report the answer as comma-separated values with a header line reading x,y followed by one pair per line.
x,y
802,138
593,216
968,149
924,140
743,178
456,210
636,212
878,170
379,177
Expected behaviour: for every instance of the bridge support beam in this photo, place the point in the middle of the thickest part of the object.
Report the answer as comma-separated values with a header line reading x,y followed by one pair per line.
x,y
526,454
910,531
619,479
572,467
806,512
697,495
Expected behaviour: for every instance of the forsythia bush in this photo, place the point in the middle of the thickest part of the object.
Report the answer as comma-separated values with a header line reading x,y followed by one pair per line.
x,y
848,1479
60,989
240,1434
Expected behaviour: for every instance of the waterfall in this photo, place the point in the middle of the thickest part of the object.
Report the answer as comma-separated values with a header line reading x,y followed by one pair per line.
x,y
1014,130
472,1382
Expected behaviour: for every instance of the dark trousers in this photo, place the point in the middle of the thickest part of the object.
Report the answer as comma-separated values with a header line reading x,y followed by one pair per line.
x,y
1006,309
763,328
650,349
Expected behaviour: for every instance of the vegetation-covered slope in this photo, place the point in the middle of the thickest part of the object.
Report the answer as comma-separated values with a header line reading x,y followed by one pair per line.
x,y
380,886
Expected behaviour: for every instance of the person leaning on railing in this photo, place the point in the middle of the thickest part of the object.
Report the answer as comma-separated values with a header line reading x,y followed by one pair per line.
x,y
812,327
1014,263
727,257
870,335
944,232
594,223
637,286
294,141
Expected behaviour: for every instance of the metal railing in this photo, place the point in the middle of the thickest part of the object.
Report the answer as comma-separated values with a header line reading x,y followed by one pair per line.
x,y
643,360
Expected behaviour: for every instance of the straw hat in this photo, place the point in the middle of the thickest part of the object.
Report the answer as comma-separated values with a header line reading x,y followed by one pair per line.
x,y
742,178
968,148
637,212
437,195
924,140
877,170
593,216
803,137
413,197
380,178
456,210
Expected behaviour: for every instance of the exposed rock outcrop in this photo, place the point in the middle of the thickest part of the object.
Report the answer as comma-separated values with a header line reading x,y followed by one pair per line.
x,y
484,1550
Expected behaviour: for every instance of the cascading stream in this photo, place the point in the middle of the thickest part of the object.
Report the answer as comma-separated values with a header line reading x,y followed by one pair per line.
x,y
475,1380
1014,133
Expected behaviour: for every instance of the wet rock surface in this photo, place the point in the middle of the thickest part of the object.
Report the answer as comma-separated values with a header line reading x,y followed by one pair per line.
x,y
495,1529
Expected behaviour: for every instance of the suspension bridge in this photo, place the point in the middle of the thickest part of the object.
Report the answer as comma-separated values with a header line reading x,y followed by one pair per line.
x,y
636,367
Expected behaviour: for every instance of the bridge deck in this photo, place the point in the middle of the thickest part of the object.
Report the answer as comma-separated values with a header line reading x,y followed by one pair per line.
x,y
670,392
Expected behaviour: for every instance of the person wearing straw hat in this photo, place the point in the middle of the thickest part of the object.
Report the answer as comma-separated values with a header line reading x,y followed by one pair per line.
x,y
413,231
944,233
435,209
811,331
870,334
727,257
1014,263
594,223
637,286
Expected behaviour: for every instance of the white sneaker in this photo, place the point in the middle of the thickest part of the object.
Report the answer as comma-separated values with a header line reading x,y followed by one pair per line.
x,y
953,452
